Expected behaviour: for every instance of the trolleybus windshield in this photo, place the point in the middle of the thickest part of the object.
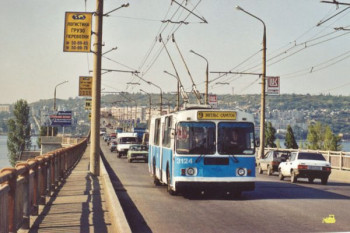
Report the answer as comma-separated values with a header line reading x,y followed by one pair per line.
x,y
235,138
195,138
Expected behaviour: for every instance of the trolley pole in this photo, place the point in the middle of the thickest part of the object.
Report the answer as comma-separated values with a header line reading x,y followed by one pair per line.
x,y
96,93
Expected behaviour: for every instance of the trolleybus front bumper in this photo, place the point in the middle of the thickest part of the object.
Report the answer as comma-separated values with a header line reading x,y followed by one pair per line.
x,y
214,186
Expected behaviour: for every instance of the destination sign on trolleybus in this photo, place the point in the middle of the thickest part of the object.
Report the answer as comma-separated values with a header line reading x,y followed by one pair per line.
x,y
216,115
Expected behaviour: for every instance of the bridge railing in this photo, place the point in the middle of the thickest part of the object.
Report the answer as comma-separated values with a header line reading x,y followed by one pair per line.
x,y
338,159
25,187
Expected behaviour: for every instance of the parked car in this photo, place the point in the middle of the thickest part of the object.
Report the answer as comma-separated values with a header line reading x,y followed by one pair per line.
x,y
137,152
305,165
271,161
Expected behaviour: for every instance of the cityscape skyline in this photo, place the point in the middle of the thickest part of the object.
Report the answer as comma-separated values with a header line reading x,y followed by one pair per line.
x,y
309,59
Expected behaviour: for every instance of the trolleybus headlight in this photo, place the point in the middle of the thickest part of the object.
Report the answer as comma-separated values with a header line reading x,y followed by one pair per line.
x,y
191,171
241,171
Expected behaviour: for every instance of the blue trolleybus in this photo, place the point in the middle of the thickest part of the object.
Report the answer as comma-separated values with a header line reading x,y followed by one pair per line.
x,y
202,150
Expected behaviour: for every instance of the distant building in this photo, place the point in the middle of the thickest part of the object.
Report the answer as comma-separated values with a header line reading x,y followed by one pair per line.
x,y
4,108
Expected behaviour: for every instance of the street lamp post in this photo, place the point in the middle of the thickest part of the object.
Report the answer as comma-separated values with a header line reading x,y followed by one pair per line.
x,y
168,104
150,106
263,77
54,102
54,95
130,83
178,89
161,91
206,76
161,98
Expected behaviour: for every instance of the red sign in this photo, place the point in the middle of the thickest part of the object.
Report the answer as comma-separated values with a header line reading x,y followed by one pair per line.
x,y
213,101
273,85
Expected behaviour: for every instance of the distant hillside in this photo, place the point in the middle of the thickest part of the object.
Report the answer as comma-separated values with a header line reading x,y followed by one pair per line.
x,y
330,110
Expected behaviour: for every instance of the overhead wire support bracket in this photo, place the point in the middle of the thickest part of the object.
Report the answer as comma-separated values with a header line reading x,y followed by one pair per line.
x,y
336,2
201,18
322,22
230,72
122,71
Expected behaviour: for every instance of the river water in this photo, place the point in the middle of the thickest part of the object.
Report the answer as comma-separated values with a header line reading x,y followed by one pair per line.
x,y
4,162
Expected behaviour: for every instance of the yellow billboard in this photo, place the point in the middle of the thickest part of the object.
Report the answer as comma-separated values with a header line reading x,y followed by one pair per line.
x,y
77,32
85,86
216,115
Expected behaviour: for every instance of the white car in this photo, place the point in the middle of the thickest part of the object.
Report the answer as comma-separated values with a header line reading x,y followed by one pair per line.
x,y
305,165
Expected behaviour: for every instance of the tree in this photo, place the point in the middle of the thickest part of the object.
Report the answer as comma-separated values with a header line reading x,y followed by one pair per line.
x,y
315,136
18,131
321,137
270,136
331,141
290,142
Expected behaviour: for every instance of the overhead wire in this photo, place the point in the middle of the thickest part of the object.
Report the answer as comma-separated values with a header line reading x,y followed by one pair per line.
x,y
314,67
160,31
306,44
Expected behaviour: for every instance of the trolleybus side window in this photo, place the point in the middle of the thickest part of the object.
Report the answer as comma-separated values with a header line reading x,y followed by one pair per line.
x,y
195,138
167,131
236,138
156,132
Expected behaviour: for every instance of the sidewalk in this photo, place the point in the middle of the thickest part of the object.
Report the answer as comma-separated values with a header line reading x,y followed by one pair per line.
x,y
77,206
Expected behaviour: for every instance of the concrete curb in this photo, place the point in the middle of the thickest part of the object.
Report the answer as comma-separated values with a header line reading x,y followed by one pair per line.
x,y
118,219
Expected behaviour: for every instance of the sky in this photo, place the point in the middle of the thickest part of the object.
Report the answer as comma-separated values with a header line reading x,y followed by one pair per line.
x,y
303,48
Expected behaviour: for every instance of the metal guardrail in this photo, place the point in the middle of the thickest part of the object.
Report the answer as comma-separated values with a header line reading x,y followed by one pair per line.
x,y
338,159
25,187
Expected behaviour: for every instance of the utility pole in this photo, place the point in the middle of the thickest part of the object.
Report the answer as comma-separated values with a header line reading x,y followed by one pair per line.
x,y
263,81
96,92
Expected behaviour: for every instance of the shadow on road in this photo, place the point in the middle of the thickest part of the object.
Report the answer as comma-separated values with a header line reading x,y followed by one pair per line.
x,y
132,214
278,190
281,190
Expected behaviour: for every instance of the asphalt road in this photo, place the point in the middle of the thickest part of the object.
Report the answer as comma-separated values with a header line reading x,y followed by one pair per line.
x,y
274,206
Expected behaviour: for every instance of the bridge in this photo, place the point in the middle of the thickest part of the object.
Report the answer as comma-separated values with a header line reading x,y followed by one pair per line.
x,y
55,192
